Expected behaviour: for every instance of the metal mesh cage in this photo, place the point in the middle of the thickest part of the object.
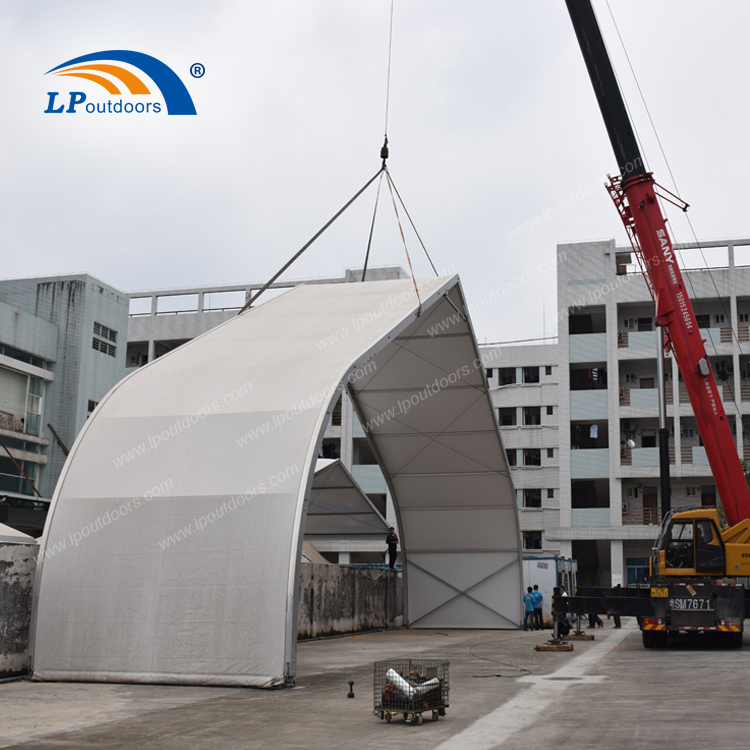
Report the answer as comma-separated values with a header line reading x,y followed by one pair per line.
x,y
410,685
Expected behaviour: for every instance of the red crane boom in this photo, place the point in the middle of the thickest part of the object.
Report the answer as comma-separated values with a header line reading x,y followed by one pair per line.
x,y
635,195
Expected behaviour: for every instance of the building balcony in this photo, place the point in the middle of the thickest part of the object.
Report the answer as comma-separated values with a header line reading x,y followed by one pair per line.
x,y
641,517
590,517
636,339
695,455
588,347
644,398
643,456
588,405
589,464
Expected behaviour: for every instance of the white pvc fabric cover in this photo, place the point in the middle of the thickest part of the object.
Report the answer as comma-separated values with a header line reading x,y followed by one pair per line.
x,y
10,535
173,543
339,508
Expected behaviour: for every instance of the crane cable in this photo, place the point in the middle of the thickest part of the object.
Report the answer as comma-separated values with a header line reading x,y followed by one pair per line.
x,y
391,186
735,337
384,153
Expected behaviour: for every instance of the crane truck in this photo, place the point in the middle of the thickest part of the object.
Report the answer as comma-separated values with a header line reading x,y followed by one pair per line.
x,y
697,567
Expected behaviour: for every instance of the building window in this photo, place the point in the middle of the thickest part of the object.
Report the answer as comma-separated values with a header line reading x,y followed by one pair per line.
x,y
92,405
105,333
550,410
550,494
530,374
550,452
102,337
506,375
104,347
532,540
532,415
744,317
645,324
691,491
336,414
30,359
490,373
532,498
512,455
548,370
34,406
532,457
507,416
704,321
719,318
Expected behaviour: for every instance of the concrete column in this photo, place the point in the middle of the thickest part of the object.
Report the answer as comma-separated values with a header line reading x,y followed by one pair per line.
x,y
617,561
347,430
344,558
154,304
151,350
201,296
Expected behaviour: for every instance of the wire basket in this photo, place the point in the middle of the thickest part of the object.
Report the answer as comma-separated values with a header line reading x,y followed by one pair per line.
x,y
410,686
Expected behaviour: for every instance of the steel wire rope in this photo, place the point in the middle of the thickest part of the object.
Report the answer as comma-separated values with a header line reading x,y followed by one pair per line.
x,y
311,240
403,239
694,300
392,185
384,149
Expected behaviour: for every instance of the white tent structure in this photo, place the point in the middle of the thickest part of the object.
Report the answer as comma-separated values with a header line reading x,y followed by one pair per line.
x,y
9,535
338,507
178,520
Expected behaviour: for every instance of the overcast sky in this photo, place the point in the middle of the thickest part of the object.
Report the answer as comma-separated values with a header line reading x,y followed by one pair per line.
x,y
497,146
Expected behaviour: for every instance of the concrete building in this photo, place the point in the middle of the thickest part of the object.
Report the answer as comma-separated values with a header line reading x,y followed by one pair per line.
x,y
526,395
605,373
162,320
61,349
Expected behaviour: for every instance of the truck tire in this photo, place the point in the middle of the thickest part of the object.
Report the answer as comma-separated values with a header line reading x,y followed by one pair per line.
x,y
649,638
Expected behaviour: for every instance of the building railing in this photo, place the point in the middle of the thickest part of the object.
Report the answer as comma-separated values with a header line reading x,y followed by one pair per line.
x,y
644,395
626,457
625,340
641,517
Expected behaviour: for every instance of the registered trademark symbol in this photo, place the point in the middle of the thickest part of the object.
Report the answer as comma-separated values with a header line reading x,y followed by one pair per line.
x,y
197,70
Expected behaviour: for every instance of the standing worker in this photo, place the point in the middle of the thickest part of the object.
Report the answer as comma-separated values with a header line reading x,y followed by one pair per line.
x,y
392,541
528,605
538,599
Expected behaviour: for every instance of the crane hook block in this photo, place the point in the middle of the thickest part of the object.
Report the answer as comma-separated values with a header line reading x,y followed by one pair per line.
x,y
384,150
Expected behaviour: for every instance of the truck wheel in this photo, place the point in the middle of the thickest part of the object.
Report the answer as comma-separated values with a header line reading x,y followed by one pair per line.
x,y
661,639
649,638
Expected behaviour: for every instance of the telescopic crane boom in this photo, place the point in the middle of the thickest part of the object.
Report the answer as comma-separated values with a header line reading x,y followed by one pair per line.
x,y
635,195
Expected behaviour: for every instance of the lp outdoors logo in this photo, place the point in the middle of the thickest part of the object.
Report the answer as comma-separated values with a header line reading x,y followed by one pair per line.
x,y
90,67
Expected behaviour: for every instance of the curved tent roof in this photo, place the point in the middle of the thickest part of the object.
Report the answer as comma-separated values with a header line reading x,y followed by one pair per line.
x,y
179,515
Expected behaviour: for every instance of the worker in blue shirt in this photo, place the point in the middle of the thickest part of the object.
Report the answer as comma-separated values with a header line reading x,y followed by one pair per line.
x,y
528,605
538,599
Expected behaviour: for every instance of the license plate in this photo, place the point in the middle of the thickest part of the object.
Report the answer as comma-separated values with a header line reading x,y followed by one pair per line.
x,y
660,592
690,603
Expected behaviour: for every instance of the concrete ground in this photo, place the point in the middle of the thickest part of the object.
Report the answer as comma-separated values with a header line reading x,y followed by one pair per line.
x,y
607,694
